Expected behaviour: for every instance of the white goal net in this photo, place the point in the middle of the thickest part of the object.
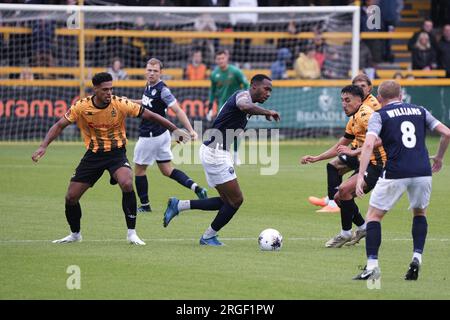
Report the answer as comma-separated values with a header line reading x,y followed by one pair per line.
x,y
49,54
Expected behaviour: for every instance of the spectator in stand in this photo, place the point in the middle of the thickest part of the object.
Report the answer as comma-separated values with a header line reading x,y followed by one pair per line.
x,y
365,61
116,70
26,74
375,45
243,22
319,45
390,15
43,35
292,44
397,76
428,28
205,22
196,69
440,12
306,66
444,50
423,55
278,68
137,47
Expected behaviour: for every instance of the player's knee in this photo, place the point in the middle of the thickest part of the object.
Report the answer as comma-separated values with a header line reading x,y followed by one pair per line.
x,y
71,199
345,193
237,202
166,173
126,186
166,170
337,199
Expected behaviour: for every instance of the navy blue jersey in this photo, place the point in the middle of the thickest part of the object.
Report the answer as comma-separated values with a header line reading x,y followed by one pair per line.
x,y
402,128
156,99
230,122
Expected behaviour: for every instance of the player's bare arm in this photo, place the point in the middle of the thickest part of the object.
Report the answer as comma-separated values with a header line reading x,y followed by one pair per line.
x,y
181,115
246,105
346,150
181,135
51,135
444,131
134,100
328,154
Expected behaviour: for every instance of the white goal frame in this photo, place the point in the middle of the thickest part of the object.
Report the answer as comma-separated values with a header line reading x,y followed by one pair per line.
x,y
354,10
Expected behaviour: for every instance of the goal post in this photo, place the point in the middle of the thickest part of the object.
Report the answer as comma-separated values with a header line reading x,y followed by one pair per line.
x,y
50,52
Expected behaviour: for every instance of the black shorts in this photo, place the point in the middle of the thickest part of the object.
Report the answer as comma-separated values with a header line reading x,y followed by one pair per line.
x,y
373,173
351,162
92,165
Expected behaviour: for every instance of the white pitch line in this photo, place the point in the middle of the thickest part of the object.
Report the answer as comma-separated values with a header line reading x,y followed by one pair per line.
x,y
5,241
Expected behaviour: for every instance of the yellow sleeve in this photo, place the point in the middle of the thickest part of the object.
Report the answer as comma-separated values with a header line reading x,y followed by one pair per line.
x,y
349,129
365,114
73,113
131,109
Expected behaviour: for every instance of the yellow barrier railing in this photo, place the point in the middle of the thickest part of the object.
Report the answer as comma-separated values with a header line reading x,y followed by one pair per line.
x,y
177,73
402,33
206,83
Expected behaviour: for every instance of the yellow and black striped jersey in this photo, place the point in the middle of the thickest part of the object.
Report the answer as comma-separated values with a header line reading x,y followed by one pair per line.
x,y
103,129
372,102
356,130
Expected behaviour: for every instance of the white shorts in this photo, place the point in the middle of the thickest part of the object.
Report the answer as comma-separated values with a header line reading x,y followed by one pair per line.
x,y
388,191
147,150
217,164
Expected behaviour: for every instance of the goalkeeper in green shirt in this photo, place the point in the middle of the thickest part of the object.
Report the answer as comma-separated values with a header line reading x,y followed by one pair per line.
x,y
226,79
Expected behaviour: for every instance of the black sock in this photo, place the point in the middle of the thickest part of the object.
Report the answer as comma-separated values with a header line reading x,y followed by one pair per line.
x,y
73,216
129,208
419,232
333,180
142,188
373,239
348,210
207,204
225,214
358,219
180,177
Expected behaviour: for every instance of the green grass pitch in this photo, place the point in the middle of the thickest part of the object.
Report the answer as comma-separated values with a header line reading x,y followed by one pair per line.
x,y
173,266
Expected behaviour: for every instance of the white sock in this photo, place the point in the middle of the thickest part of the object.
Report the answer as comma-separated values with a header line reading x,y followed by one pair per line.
x,y
346,233
372,264
75,234
418,256
184,205
362,227
327,199
332,203
194,185
209,233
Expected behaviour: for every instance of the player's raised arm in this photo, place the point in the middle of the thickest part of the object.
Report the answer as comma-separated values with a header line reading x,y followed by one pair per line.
x,y
51,135
181,115
260,90
182,136
444,131
134,100
328,154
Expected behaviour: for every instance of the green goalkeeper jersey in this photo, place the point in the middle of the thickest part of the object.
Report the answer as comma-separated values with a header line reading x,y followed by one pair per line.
x,y
225,83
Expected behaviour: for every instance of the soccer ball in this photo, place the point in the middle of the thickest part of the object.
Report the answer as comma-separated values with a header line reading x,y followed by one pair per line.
x,y
270,240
